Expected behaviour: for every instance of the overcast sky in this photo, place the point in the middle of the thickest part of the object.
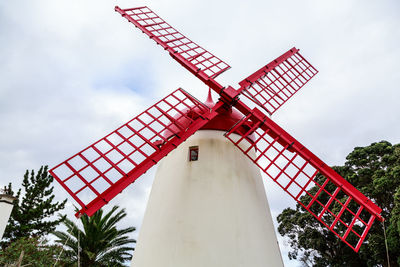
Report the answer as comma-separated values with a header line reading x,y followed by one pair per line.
x,y
72,71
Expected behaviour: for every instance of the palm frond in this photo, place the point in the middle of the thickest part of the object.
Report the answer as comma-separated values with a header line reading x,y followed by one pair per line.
x,y
101,242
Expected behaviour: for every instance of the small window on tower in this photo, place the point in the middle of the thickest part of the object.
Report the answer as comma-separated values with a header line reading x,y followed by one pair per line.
x,y
193,153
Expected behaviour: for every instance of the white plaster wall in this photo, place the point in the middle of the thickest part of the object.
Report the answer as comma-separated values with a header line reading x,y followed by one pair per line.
x,y
5,212
211,212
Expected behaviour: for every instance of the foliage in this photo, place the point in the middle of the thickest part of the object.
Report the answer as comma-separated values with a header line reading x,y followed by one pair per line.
x,y
33,207
100,242
375,171
36,252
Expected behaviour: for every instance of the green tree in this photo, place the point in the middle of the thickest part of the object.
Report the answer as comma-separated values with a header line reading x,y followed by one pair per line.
x,y
375,171
33,207
35,252
100,242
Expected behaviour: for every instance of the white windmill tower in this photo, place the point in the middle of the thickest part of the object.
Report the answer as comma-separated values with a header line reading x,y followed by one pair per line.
x,y
208,205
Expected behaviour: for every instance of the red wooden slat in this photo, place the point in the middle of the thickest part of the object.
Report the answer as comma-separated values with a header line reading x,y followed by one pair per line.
x,y
192,55
294,168
99,172
275,83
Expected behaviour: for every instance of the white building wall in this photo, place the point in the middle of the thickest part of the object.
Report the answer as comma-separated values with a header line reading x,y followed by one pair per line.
x,y
6,207
212,212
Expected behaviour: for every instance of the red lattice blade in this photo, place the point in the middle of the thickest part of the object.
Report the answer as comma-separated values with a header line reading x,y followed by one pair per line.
x,y
192,56
275,83
315,186
98,173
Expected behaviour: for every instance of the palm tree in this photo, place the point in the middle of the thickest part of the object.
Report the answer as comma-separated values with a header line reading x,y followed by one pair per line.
x,y
100,242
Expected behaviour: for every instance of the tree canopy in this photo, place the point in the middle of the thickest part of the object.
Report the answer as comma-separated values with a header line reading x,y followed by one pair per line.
x,y
375,171
100,242
33,251
33,206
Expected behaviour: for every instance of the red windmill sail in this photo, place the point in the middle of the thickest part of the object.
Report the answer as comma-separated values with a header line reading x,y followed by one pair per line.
x,y
99,172
315,186
188,53
272,85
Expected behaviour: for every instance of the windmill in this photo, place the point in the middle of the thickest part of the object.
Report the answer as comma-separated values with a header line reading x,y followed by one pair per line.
x,y
104,169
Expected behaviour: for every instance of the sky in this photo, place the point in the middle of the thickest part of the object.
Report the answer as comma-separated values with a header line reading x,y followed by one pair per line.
x,y
72,71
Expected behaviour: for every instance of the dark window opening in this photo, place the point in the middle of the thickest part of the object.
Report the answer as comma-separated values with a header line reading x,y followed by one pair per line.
x,y
193,153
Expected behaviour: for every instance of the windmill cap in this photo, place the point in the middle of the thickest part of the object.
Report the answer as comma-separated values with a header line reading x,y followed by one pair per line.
x,y
224,121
